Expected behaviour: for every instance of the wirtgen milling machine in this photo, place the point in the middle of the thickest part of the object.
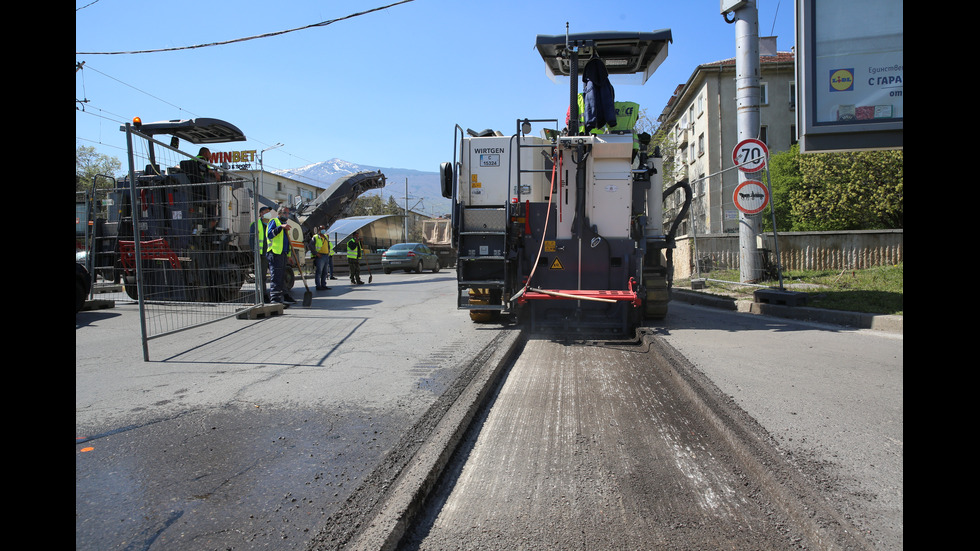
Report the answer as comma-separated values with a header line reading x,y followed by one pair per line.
x,y
567,229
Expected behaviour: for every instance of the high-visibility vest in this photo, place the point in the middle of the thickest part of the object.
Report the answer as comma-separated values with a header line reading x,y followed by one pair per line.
x,y
322,244
627,113
260,235
276,243
353,249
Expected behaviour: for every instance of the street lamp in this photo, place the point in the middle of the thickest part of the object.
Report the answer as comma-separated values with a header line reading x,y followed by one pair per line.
x,y
262,168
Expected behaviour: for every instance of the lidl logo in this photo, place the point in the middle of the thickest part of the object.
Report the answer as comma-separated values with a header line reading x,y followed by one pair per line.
x,y
842,80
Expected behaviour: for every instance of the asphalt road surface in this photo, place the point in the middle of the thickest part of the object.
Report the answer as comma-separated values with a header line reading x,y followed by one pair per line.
x,y
830,398
250,434
716,430
612,446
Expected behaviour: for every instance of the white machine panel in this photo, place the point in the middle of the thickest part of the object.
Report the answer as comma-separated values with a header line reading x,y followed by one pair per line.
x,y
534,185
485,178
608,186
610,197
489,168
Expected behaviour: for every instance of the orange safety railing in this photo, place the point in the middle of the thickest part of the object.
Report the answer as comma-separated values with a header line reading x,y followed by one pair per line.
x,y
598,295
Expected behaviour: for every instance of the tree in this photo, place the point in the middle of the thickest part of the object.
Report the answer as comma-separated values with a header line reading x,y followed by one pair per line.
x,y
784,177
392,206
89,164
374,205
663,139
366,205
836,191
850,191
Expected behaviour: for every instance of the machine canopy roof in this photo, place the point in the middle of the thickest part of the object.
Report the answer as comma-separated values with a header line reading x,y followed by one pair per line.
x,y
624,53
196,131
345,227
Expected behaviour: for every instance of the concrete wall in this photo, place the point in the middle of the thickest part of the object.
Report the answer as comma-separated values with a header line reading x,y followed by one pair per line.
x,y
797,251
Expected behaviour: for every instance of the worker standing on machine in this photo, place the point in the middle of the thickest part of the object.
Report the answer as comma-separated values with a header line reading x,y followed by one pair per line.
x,y
205,167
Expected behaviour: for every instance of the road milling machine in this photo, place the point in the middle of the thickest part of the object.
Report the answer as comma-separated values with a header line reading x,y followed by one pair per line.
x,y
565,231
194,219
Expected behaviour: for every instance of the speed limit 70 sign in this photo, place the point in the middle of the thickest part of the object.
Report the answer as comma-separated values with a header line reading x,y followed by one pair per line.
x,y
750,155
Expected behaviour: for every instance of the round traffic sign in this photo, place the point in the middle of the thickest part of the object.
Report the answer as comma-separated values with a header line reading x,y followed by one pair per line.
x,y
750,155
751,197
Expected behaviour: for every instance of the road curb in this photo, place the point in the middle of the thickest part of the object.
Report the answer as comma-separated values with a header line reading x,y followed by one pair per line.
x,y
857,320
394,516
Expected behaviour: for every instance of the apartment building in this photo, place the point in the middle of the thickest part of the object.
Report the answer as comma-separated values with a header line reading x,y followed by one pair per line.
x,y
282,189
702,118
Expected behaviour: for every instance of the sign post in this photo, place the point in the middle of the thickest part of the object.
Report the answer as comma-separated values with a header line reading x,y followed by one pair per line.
x,y
745,17
751,197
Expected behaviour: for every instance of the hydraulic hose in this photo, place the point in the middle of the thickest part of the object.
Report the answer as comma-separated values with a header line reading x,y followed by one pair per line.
x,y
555,167
687,205
676,223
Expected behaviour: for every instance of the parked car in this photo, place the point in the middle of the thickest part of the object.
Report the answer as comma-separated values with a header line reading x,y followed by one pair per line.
x,y
408,257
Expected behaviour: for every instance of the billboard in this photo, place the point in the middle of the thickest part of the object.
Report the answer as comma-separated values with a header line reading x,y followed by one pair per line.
x,y
850,74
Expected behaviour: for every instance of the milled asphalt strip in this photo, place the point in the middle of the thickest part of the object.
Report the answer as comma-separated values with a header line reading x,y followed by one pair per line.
x,y
758,456
407,496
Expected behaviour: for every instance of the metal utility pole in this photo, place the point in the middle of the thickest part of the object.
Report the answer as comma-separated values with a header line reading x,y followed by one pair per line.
x,y
747,97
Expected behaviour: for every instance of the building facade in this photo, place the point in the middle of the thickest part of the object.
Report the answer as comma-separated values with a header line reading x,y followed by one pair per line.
x,y
701,117
281,189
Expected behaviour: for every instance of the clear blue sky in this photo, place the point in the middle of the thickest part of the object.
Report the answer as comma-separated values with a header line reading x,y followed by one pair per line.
x,y
385,88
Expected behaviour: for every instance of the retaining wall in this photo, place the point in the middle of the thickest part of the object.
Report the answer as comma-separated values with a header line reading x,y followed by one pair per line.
x,y
837,250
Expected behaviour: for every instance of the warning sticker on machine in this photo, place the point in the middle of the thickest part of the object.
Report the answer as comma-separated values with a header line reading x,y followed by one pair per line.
x,y
556,265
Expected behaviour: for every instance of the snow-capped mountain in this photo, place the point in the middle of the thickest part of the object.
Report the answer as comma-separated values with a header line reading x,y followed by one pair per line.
x,y
424,193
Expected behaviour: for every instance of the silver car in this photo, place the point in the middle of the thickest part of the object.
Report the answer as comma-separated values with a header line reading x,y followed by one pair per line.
x,y
408,257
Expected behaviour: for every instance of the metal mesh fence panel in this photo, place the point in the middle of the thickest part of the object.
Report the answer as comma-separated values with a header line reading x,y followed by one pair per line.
x,y
175,236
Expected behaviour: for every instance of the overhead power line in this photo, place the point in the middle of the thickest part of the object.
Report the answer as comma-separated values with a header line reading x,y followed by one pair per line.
x,y
86,5
266,35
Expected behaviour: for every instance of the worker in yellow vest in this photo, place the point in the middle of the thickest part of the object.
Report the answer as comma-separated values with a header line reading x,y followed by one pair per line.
x,y
278,251
354,253
627,113
258,228
323,258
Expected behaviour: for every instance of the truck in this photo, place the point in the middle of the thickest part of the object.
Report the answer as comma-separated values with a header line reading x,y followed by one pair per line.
x,y
565,230
438,236
197,220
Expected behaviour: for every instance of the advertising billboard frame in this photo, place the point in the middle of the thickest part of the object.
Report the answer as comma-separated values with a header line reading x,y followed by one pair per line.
x,y
863,74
